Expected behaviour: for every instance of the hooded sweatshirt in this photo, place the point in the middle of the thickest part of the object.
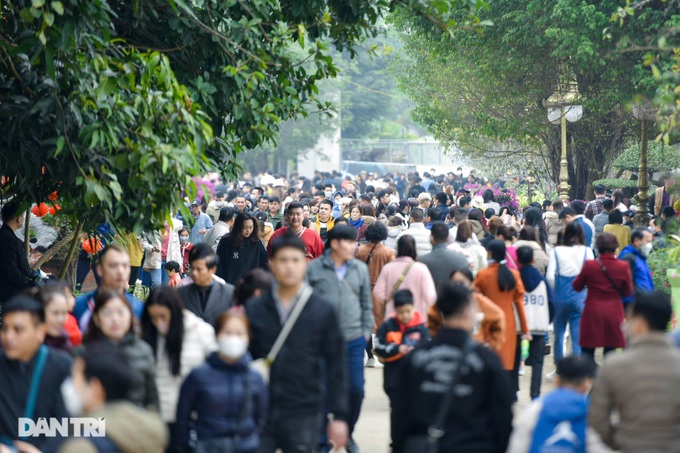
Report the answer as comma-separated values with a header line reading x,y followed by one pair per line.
x,y
129,428
532,278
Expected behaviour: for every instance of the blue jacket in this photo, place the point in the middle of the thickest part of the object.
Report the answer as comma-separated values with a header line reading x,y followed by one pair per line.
x,y
587,231
216,391
561,425
642,275
85,306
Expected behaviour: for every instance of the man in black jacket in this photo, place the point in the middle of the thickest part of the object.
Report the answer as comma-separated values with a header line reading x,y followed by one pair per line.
x,y
23,331
315,344
15,272
480,418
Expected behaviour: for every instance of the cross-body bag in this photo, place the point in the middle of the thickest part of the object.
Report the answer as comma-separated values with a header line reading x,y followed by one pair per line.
x,y
396,286
429,443
609,277
371,254
263,366
228,444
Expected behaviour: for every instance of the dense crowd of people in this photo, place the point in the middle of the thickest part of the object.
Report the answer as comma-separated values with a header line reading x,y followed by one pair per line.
x,y
269,297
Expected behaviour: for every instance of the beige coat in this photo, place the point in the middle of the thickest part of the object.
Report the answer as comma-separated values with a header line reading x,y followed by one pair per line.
x,y
639,385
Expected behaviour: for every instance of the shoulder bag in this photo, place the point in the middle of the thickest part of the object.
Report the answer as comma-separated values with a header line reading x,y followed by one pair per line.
x,y
609,277
429,443
262,366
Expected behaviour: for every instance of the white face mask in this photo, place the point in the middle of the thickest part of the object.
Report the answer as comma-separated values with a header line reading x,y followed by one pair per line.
x,y
183,239
72,400
219,204
328,194
232,347
646,249
163,327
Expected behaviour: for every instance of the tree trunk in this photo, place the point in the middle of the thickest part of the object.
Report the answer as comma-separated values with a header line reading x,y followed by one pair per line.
x,y
71,250
52,251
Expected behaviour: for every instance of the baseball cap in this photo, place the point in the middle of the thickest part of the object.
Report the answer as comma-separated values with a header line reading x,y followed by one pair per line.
x,y
196,202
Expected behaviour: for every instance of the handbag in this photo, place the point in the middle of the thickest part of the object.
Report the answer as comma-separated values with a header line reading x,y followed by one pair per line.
x,y
609,277
263,366
226,444
429,443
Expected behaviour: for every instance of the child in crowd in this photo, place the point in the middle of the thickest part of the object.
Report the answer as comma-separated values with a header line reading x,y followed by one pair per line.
x,y
559,420
396,337
173,268
538,299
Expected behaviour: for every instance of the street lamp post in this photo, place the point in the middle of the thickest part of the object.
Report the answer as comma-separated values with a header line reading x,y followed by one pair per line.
x,y
563,106
643,113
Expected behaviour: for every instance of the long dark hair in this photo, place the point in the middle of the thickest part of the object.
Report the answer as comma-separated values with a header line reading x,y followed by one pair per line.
x,y
573,235
168,297
534,218
406,246
253,280
506,281
237,232
103,297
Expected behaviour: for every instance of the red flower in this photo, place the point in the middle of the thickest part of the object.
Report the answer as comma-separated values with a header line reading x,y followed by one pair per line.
x,y
40,210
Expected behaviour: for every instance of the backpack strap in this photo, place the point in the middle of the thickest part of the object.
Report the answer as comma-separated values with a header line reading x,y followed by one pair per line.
x,y
43,352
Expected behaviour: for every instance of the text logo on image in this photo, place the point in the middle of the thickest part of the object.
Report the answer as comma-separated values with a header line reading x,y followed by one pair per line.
x,y
71,427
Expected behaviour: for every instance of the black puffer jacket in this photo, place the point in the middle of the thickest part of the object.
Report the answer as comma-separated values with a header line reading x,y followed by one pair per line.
x,y
139,355
235,262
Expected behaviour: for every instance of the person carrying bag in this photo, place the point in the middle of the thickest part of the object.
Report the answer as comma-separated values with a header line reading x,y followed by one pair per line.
x,y
263,366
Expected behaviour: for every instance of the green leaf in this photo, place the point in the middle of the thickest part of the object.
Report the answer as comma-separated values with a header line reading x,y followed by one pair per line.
x,y
37,3
58,7
42,38
49,18
60,146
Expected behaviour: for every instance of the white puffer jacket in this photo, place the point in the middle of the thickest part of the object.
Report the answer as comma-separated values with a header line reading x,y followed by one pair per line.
x,y
199,341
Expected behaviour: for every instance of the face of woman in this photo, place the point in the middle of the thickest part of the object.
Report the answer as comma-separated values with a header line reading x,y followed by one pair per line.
x,y
356,214
234,327
305,209
314,209
248,227
55,315
114,319
160,317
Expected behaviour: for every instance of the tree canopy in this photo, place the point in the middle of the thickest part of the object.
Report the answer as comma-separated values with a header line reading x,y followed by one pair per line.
x,y
118,104
471,88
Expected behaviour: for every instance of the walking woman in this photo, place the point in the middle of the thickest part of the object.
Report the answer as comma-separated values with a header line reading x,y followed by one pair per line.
x,y
227,396
476,254
608,280
505,234
534,218
56,314
112,321
404,273
527,238
255,283
180,340
565,264
242,250
505,288
376,255
185,248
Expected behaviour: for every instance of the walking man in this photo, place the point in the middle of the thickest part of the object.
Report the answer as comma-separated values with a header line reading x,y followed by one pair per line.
x,y
345,282
314,349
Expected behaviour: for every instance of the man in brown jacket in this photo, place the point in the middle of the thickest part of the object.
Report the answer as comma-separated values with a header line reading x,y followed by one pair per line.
x,y
375,254
640,385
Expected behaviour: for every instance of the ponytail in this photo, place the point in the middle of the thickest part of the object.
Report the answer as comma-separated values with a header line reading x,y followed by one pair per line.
x,y
506,280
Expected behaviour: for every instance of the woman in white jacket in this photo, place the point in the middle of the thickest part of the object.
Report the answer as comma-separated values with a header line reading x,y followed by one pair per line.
x,y
152,271
181,341
564,265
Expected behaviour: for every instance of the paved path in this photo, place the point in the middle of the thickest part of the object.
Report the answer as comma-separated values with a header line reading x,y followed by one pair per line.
x,y
373,430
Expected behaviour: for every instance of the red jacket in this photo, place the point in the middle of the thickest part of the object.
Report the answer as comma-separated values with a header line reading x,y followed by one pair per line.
x,y
603,312
71,327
